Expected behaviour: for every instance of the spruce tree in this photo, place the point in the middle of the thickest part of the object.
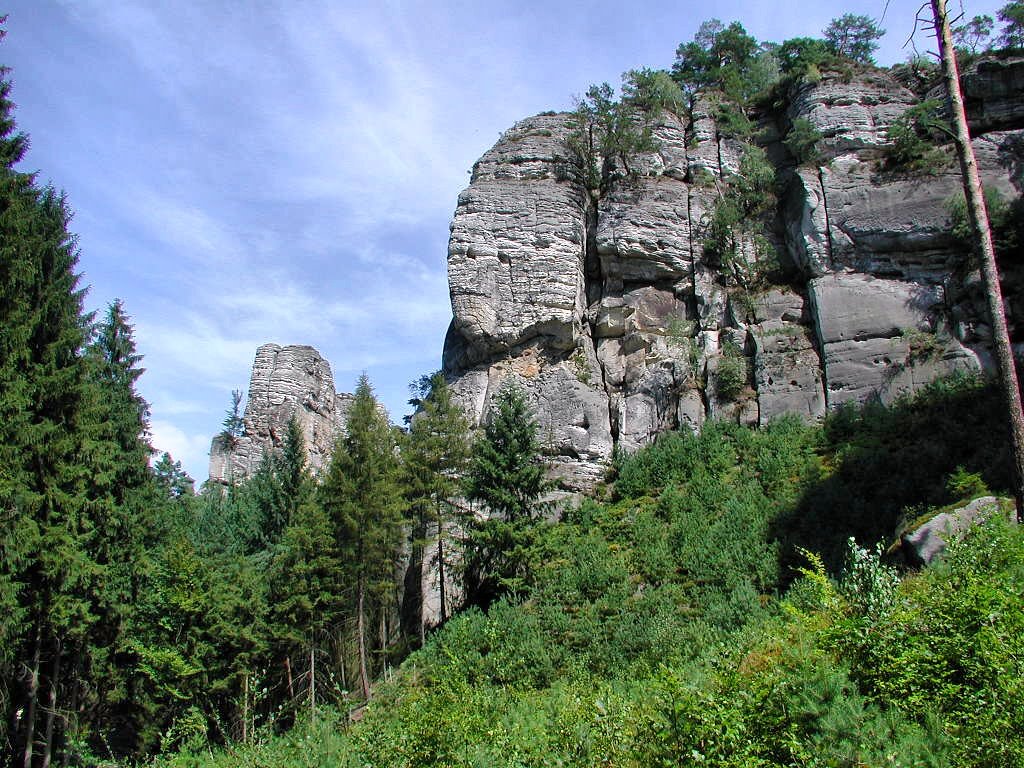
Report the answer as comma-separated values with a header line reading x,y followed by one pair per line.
x,y
435,457
45,569
507,476
172,478
126,503
362,496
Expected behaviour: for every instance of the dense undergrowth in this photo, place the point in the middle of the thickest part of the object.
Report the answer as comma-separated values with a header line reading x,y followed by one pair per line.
x,y
713,612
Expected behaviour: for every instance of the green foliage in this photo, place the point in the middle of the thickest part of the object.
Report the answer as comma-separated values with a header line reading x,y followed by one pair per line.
x,y
505,473
923,346
854,37
727,59
233,424
652,91
648,631
578,360
681,337
883,461
434,457
506,476
731,373
911,136
964,486
364,499
1006,221
973,36
802,141
1012,17
172,477
740,215
868,584
798,56
607,134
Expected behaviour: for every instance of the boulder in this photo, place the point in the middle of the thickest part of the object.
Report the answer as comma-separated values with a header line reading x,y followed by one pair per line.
x,y
927,542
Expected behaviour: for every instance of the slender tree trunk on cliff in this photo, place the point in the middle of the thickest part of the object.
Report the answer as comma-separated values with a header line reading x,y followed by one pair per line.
x,y
983,241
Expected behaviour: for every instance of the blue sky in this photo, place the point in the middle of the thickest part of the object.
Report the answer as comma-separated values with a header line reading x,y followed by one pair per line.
x,y
252,172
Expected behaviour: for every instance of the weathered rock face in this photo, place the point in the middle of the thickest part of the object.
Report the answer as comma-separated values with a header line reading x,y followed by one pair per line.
x,y
291,381
927,542
607,312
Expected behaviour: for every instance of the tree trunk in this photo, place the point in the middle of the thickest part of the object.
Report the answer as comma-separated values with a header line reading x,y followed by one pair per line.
x,y
71,719
288,671
33,698
51,712
312,681
440,568
364,674
245,709
975,199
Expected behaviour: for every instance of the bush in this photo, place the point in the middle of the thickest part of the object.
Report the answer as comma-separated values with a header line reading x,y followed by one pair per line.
x,y
731,374
912,139
802,141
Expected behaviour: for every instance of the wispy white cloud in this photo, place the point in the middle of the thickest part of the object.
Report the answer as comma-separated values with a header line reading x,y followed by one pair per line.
x,y
192,450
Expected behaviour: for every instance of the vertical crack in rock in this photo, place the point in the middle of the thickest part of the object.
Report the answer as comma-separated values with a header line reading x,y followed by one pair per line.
x,y
824,207
593,291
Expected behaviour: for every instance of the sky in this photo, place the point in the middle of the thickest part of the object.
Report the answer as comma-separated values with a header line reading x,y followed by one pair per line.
x,y
285,171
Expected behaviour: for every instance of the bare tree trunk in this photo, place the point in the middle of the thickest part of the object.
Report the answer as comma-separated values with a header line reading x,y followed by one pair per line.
x,y
440,567
51,712
312,681
983,234
245,709
71,718
33,698
364,674
288,671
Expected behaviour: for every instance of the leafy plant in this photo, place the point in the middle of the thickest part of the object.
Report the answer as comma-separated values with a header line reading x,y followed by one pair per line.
x,y
854,37
963,485
578,360
911,143
802,141
731,374
605,137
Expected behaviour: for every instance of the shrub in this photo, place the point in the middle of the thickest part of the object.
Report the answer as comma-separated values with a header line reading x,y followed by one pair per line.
x,y
911,136
802,141
731,374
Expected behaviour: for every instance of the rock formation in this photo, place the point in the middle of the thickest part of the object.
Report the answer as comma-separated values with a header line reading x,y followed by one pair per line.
x,y
610,314
286,381
925,542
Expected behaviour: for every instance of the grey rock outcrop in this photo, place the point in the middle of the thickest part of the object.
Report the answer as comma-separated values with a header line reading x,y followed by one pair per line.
x,y
287,381
928,541
607,311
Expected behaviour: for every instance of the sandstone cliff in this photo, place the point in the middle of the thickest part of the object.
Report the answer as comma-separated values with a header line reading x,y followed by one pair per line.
x,y
286,381
609,312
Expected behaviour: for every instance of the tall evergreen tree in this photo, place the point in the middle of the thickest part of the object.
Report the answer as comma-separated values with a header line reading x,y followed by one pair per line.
x,y
125,503
435,457
362,496
507,476
45,569
173,478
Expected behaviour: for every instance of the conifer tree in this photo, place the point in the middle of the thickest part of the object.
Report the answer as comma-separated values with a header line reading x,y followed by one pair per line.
x,y
435,457
45,569
363,498
507,476
173,478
